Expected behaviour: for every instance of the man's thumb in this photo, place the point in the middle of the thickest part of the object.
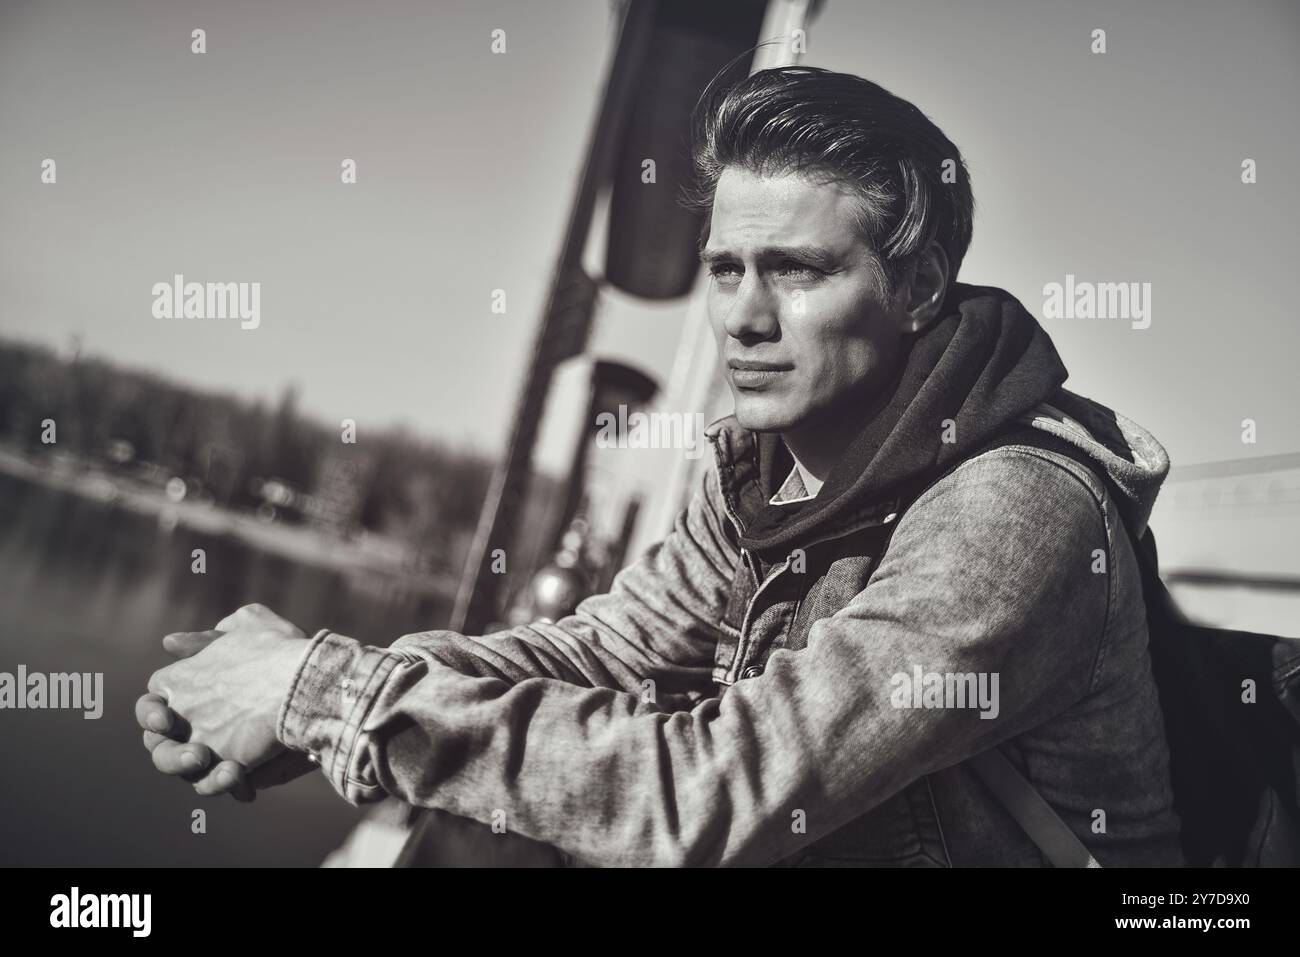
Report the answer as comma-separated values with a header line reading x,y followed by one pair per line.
x,y
187,644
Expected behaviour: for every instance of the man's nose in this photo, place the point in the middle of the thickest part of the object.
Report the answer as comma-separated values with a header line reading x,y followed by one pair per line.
x,y
753,310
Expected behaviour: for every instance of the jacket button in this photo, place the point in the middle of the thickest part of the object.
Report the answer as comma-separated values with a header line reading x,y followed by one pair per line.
x,y
753,671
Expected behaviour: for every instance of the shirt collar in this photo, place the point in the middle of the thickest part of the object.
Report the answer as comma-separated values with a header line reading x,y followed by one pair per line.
x,y
792,490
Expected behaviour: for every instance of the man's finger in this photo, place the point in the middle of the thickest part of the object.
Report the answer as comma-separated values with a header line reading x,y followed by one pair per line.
x,y
187,644
173,757
226,777
159,721
152,713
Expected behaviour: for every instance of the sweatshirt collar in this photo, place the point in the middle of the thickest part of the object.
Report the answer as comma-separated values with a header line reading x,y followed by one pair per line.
x,y
985,363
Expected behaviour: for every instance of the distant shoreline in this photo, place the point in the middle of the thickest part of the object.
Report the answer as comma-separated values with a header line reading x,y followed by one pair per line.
x,y
371,554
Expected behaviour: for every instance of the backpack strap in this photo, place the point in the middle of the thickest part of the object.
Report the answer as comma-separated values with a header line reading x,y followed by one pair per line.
x,y
1034,815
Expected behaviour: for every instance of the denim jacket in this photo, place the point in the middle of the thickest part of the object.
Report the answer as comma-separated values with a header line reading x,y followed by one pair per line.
x,y
717,708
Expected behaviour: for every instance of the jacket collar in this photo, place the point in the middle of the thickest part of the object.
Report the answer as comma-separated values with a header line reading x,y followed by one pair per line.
x,y
738,461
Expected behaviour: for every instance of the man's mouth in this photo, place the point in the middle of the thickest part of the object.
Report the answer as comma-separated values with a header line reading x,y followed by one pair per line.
x,y
750,374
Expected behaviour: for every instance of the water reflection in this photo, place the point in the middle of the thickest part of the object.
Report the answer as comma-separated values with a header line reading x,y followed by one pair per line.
x,y
88,586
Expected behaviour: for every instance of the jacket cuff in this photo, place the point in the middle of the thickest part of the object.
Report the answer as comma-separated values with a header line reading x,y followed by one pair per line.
x,y
334,689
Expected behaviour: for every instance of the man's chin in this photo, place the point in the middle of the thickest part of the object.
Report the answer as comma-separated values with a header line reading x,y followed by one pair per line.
x,y
763,414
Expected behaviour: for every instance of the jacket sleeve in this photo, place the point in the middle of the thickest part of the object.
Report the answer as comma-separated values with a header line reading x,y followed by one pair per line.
x,y
989,572
654,633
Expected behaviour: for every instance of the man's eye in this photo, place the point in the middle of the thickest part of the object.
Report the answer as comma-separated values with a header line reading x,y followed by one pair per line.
x,y
725,273
800,271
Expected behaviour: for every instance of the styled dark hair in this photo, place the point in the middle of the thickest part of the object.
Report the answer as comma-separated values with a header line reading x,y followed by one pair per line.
x,y
849,131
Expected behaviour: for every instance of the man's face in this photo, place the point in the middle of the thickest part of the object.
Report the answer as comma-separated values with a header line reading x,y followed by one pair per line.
x,y
805,328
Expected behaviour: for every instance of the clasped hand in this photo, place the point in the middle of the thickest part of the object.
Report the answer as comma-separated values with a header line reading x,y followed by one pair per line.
x,y
210,717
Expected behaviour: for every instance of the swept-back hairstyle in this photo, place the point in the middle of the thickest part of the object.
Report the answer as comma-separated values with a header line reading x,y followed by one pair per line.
x,y
840,128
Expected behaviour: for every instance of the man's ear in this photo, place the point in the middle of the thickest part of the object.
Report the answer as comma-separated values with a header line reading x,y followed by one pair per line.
x,y
925,292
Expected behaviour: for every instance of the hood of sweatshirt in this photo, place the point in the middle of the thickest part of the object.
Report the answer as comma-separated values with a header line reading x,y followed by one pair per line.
x,y
985,366
1128,454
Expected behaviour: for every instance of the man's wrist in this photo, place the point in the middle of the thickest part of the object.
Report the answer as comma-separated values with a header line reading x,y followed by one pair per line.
x,y
330,694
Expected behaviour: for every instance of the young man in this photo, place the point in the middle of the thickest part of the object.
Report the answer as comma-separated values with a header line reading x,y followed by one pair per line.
x,y
880,578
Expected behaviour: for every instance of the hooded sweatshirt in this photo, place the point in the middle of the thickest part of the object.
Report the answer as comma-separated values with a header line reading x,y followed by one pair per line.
x,y
984,367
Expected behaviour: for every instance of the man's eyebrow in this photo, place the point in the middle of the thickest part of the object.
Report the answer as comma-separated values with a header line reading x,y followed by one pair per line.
x,y
815,255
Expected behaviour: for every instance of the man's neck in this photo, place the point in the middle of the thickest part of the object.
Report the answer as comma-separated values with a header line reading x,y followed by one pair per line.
x,y
817,448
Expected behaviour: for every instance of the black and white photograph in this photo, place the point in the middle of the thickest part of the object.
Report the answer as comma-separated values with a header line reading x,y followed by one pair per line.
x,y
651,434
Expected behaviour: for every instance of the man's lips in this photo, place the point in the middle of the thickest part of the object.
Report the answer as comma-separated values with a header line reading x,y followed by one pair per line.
x,y
751,365
751,374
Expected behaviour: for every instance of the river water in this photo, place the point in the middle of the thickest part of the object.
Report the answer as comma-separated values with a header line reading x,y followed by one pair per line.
x,y
86,586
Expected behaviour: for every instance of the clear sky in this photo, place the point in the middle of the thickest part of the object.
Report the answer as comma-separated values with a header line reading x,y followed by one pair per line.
x,y
1118,167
